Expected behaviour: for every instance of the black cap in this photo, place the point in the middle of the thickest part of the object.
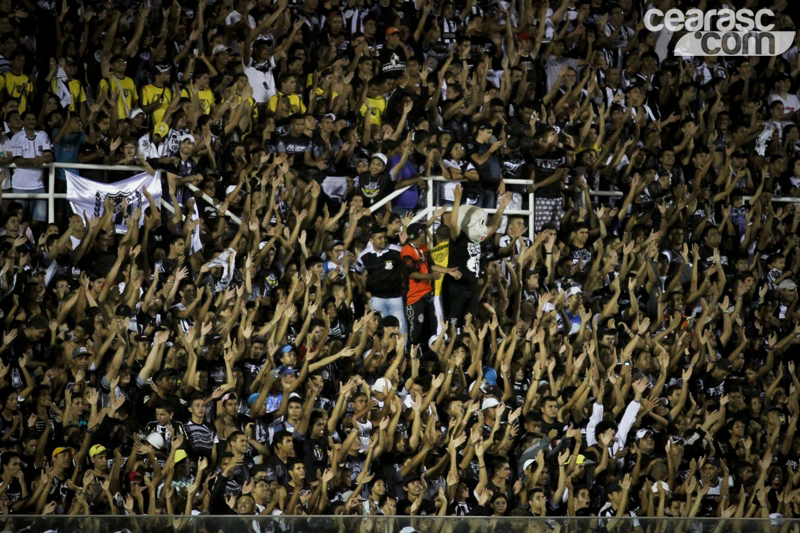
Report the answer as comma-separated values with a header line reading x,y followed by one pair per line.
x,y
725,364
124,310
141,338
167,372
80,351
614,487
484,125
259,338
415,231
376,228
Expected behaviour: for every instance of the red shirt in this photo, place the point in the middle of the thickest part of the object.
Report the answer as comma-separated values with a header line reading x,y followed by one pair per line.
x,y
416,260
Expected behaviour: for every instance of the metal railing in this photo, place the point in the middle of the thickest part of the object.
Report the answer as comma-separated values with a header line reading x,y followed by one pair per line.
x,y
392,524
431,204
51,196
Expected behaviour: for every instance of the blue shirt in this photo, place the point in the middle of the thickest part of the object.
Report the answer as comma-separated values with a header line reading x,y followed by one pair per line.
x,y
409,199
66,150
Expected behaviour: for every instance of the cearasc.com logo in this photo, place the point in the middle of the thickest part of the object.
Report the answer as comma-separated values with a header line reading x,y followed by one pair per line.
x,y
722,32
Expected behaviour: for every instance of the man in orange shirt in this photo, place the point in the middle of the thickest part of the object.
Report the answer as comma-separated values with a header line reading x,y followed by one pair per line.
x,y
420,313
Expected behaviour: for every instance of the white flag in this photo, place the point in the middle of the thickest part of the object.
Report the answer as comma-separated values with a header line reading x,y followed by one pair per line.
x,y
88,196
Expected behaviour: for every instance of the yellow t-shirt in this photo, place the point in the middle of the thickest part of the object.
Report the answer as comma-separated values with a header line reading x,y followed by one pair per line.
x,y
127,94
75,90
296,104
378,108
206,97
320,92
151,94
440,255
18,87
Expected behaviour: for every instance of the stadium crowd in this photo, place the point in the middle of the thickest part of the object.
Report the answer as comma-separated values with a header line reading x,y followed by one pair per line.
x,y
281,342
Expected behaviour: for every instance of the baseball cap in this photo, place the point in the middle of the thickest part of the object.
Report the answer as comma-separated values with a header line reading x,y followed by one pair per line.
x,y
572,291
219,49
136,112
162,128
489,403
156,440
484,125
490,375
187,137
97,449
642,433
180,455
164,67
382,385
134,477
614,487
787,284
330,116
380,156
124,310
675,439
285,370
415,230
376,228
392,31
80,351
62,449
166,373
725,364
286,348
580,460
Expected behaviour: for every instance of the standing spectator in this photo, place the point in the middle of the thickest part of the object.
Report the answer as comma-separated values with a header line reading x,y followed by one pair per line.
x,y
31,149
483,155
384,268
421,274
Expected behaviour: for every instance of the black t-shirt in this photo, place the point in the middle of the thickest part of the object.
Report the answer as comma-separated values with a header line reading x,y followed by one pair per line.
x,y
491,172
277,468
393,61
465,255
374,188
313,452
296,146
546,164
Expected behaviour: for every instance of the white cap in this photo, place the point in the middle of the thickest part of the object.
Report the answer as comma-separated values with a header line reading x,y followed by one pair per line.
x,y
528,463
663,484
489,402
382,385
220,48
572,291
230,188
186,137
380,156
136,112
156,440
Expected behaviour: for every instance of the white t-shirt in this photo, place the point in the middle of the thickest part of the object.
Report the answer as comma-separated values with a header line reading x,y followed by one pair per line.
x,y
27,179
790,104
261,80
235,17
150,150
5,151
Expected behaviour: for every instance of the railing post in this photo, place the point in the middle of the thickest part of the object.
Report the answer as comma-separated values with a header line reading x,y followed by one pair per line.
x,y
531,216
51,202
